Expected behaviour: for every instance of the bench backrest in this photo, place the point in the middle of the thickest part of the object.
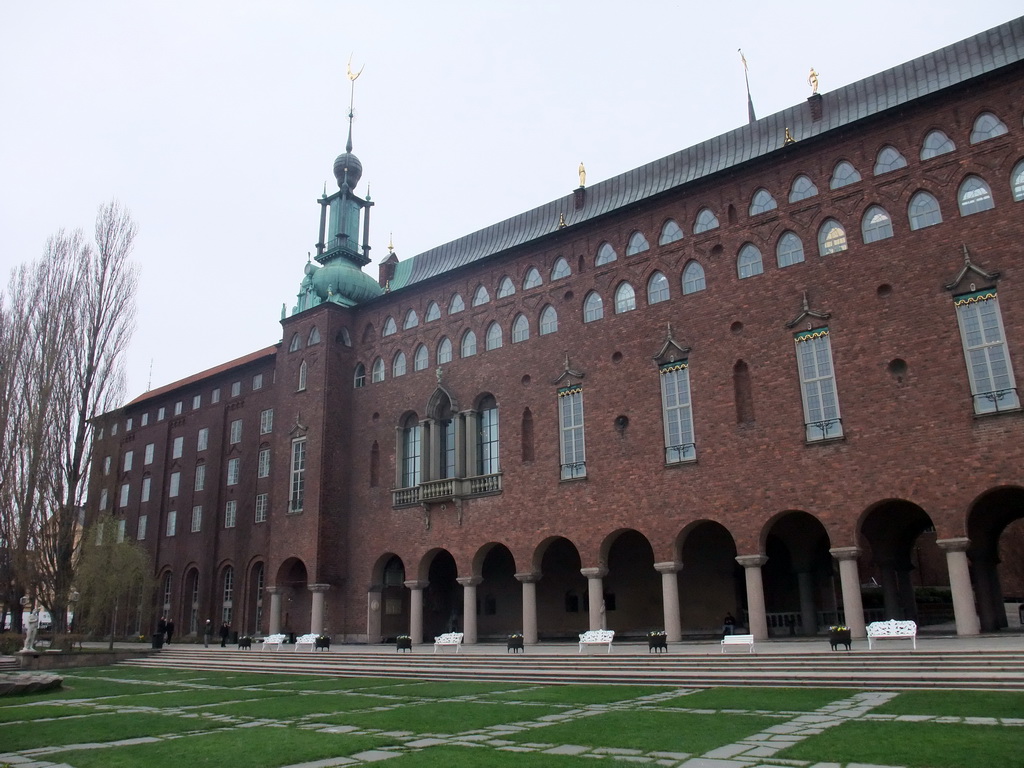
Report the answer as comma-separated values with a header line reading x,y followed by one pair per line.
x,y
597,636
449,638
738,640
306,639
891,628
274,639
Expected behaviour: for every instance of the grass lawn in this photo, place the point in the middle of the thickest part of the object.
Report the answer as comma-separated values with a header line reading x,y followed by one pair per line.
x,y
183,697
39,711
333,684
650,730
962,704
298,705
918,745
767,699
474,757
579,694
447,690
98,728
451,718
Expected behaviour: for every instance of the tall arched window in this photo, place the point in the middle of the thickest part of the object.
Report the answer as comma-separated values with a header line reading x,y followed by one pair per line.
x,y
390,327
359,377
657,288
693,278
411,452
456,304
421,358
831,237
314,336
548,320
487,446
705,222
444,351
520,329
974,196
468,347
560,269
433,312
295,343
228,595
411,319
593,307
936,143
801,189
843,174
924,210
532,279
505,287
762,202
398,366
637,244
481,296
876,224
1017,181
493,339
889,159
789,251
670,233
625,298
303,371
605,255
749,262
987,126
377,371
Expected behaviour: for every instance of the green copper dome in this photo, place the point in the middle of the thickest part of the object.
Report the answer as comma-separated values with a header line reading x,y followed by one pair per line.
x,y
343,282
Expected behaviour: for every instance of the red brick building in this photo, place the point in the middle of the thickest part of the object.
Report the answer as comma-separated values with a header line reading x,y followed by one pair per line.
x,y
765,375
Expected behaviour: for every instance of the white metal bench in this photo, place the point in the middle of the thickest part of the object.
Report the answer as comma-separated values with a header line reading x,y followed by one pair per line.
x,y
597,637
878,630
747,640
309,640
275,641
448,638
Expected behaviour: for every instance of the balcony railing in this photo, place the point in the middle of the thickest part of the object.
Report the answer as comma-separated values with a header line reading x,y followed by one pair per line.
x,y
448,489
996,401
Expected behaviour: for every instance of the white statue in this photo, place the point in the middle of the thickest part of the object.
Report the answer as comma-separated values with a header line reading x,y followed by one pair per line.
x,y
33,628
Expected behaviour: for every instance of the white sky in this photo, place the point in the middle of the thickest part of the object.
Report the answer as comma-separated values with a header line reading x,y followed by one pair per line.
x,y
217,123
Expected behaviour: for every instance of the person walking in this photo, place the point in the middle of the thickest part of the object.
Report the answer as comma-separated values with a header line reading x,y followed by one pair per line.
x,y
225,630
170,630
207,633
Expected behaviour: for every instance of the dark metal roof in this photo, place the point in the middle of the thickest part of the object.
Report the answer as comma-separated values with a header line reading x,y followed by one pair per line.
x,y
975,56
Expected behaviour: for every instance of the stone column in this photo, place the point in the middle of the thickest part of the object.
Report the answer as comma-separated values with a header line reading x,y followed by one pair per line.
x,y
416,610
374,611
316,612
755,594
399,456
849,578
469,585
275,609
595,589
960,584
459,419
808,615
430,458
472,419
670,599
529,582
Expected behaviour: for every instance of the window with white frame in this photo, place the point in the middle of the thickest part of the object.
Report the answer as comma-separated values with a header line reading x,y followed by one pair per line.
x,y
297,492
303,372
295,344
676,412
487,446
234,467
705,221
520,329
104,498
121,526
257,382
762,202
398,365
749,262
197,519
801,189
506,287
230,513
145,419
161,413
481,296
420,358
172,522
468,344
876,224
123,501
236,388
174,485
572,447
1017,181
262,503
693,278
411,441
143,522
433,312
593,307
532,279
263,465
493,338
457,304
790,250
200,477
548,320
843,175
390,327
987,126
411,320
831,237
266,421
889,159
203,439
147,457
235,432
625,298
147,486
657,288
605,255
560,269
106,465
129,458
670,233
178,406
314,338
936,143
444,351
215,395
637,244
128,424
993,388
228,601
974,196
818,385
197,401
359,376
924,210
177,447
377,371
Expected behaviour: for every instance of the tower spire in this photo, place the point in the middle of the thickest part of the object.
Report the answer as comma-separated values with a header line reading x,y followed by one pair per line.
x,y
352,77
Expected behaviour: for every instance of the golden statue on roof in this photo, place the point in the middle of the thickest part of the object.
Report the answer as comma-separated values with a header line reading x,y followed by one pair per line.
x,y
812,80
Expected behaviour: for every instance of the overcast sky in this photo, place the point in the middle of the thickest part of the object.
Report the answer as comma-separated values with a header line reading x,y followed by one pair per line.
x,y
217,123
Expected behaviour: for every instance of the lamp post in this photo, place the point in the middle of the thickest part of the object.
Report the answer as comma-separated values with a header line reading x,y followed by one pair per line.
x,y
73,599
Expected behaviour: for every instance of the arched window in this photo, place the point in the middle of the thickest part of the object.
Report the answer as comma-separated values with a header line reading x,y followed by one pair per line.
x,y
411,452
924,210
987,126
421,358
625,298
843,174
637,244
802,188
936,143
359,377
670,233
505,288
548,320
390,327
444,351
1017,181
303,371
398,366
520,329
876,224
605,255
481,296
593,307
377,371
831,237
411,319
693,278
889,159
295,343
974,196
456,304
749,262
532,279
433,312
487,445
657,288
468,348
762,202
560,269
705,222
789,251
314,336
228,595
493,338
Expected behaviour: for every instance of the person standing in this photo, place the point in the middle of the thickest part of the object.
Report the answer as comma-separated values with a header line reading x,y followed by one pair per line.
x,y
161,626
170,630
207,633
225,630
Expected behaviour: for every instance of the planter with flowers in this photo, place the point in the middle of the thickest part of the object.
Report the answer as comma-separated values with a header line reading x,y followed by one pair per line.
x,y
515,643
403,643
657,640
839,635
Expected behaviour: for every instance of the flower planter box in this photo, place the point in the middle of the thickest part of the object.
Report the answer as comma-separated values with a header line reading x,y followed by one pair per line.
x,y
657,643
323,642
403,644
515,643
839,637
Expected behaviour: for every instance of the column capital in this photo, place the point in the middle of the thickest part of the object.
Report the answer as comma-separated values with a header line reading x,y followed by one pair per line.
x,y
275,590
595,573
960,544
670,566
470,581
529,577
751,561
417,584
845,553
318,587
